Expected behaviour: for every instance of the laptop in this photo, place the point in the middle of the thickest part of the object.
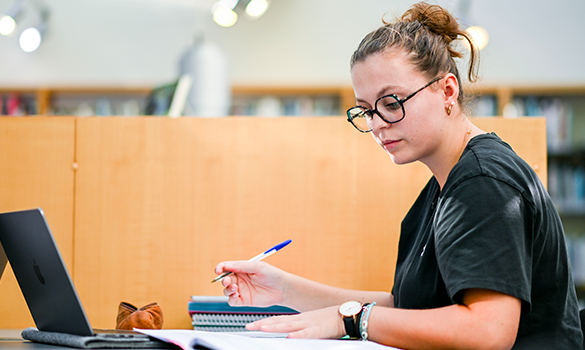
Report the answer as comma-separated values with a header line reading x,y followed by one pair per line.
x,y
47,287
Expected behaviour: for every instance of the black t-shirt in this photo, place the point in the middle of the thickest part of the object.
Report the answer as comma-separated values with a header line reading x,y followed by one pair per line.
x,y
493,226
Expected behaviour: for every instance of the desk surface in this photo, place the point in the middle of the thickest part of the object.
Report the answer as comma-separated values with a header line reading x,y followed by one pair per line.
x,y
10,339
26,345
10,334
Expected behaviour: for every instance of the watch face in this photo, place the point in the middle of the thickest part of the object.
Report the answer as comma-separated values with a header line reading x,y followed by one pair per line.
x,y
350,308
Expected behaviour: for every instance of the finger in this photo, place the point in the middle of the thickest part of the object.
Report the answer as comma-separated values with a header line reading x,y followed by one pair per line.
x,y
303,333
242,267
218,268
280,328
229,280
230,290
223,267
234,299
278,324
256,325
253,326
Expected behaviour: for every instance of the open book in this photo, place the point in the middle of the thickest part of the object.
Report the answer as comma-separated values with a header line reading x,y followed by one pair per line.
x,y
191,339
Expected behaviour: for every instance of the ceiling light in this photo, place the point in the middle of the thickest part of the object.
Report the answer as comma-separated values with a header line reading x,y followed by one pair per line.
x,y
479,36
224,16
7,25
225,12
30,39
8,21
256,8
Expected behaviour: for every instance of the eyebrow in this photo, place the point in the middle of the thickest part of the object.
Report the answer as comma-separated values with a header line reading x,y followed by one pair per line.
x,y
382,92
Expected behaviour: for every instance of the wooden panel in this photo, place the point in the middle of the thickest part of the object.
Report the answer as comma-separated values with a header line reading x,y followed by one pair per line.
x,y
159,202
36,155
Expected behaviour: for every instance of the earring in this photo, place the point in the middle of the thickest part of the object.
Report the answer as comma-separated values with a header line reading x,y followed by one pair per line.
x,y
450,107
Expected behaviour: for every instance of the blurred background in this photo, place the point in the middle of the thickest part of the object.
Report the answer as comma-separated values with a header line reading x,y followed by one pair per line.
x,y
296,42
290,57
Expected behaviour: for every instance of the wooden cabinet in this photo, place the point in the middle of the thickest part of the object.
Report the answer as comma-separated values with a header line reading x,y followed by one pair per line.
x,y
144,208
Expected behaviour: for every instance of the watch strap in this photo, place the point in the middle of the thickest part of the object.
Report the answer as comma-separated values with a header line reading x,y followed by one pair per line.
x,y
351,326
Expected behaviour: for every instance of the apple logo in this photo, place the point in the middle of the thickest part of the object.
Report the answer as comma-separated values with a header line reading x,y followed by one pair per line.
x,y
38,272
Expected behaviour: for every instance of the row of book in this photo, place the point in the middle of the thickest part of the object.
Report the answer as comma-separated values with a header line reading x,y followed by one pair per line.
x,y
566,186
576,249
97,106
559,114
159,102
273,106
213,313
14,104
484,106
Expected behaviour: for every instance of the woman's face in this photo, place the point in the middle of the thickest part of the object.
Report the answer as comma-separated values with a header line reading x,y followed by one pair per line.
x,y
417,136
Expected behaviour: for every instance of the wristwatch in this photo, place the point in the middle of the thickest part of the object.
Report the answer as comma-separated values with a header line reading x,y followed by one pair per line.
x,y
348,311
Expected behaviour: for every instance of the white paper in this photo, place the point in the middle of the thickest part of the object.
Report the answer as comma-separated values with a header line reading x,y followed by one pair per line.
x,y
188,339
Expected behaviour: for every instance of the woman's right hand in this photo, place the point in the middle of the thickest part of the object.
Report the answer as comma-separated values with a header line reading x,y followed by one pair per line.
x,y
252,283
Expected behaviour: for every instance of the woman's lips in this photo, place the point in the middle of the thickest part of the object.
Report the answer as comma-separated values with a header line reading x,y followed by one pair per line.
x,y
389,144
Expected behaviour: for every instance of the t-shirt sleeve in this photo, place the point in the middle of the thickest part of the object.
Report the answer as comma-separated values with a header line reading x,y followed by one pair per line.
x,y
483,239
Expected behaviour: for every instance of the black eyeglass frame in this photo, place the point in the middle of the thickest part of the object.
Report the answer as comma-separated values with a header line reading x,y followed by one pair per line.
x,y
375,110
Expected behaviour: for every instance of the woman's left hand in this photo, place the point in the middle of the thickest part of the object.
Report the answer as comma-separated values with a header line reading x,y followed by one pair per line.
x,y
322,323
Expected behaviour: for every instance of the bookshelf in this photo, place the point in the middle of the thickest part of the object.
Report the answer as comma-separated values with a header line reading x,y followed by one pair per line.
x,y
73,100
291,101
247,100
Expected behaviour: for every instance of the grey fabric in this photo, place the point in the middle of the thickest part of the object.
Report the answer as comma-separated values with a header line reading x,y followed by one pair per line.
x,y
98,341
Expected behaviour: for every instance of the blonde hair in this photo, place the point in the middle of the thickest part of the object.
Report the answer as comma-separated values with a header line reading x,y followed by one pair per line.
x,y
427,34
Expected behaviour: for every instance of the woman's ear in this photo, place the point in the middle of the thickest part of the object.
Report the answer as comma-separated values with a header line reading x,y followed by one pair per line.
x,y
451,89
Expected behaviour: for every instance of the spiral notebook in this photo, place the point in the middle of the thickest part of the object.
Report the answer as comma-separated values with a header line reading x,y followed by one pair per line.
x,y
214,314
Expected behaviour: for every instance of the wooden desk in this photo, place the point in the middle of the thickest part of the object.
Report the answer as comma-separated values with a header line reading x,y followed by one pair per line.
x,y
10,340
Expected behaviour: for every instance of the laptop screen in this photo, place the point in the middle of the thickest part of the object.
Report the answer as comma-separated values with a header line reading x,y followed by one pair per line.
x,y
41,273
3,260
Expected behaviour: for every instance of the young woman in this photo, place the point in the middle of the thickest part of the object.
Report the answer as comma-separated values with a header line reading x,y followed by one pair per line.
x,y
482,261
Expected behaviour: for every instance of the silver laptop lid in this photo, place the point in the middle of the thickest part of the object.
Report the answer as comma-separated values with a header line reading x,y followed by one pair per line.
x,y
41,273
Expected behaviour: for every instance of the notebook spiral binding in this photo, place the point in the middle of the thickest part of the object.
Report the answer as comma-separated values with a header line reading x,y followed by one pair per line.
x,y
214,314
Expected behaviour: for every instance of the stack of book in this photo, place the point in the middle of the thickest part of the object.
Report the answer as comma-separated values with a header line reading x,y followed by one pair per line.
x,y
213,313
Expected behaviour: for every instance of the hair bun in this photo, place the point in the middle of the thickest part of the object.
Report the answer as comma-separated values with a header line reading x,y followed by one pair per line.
x,y
435,18
425,32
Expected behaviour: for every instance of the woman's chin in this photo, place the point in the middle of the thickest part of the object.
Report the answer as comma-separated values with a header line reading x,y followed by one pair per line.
x,y
400,159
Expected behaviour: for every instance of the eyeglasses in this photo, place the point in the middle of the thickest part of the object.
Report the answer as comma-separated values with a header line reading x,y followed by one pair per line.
x,y
389,108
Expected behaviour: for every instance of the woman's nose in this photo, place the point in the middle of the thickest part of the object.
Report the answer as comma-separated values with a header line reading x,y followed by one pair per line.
x,y
378,123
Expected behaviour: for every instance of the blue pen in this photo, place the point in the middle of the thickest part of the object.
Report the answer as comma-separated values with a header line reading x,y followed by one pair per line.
x,y
258,257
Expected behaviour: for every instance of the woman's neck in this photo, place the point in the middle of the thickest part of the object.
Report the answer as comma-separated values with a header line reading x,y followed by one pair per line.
x,y
451,150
